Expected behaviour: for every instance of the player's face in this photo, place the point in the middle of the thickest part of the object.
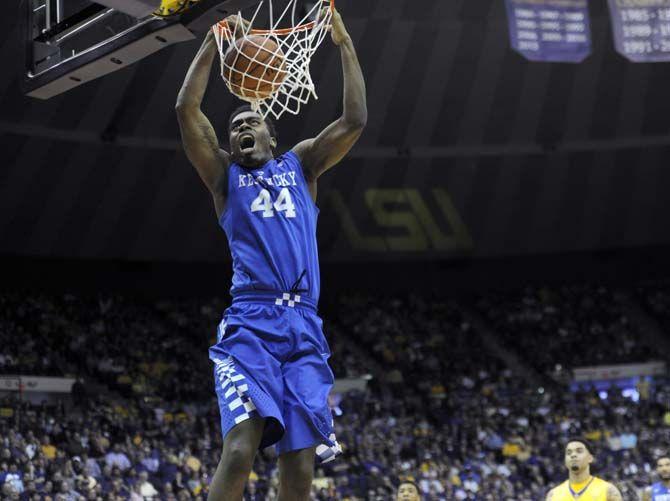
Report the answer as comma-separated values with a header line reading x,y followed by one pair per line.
x,y
408,492
577,457
250,140
663,468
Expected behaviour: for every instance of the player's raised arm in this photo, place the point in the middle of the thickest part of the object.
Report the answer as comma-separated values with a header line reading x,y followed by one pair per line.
x,y
319,154
198,136
646,494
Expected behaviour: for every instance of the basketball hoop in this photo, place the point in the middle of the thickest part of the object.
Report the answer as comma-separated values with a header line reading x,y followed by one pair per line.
x,y
270,68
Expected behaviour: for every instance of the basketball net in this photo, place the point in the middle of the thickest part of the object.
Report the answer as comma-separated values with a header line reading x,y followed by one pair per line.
x,y
293,85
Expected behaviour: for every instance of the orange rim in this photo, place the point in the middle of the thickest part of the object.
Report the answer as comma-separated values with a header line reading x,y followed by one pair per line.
x,y
282,31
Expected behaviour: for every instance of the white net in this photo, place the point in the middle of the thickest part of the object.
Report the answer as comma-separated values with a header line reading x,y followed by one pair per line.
x,y
270,68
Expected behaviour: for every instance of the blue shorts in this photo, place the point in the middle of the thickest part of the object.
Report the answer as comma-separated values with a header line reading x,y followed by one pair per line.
x,y
271,361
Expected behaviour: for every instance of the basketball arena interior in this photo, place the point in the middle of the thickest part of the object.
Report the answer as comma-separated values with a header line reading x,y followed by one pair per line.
x,y
494,249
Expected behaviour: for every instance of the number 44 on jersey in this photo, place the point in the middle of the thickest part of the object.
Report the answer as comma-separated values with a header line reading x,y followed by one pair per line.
x,y
284,203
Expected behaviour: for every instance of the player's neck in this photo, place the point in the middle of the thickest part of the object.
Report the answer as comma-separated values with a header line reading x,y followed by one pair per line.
x,y
579,477
254,161
666,483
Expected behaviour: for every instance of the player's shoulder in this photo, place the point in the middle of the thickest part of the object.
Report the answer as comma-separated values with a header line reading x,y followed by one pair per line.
x,y
603,482
302,148
551,494
554,493
288,158
292,162
301,154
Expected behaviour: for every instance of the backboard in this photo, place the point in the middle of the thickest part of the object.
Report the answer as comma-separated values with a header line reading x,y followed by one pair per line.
x,y
71,42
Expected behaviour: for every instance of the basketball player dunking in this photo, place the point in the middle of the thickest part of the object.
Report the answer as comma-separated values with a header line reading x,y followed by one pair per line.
x,y
660,491
270,361
581,484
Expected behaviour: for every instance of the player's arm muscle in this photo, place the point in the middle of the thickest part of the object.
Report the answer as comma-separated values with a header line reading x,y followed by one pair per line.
x,y
319,154
646,494
613,493
198,137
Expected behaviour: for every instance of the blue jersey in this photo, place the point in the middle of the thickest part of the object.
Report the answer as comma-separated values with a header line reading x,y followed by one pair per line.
x,y
270,221
660,492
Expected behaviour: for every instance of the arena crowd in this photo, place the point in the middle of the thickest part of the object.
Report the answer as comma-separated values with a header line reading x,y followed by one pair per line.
x,y
440,407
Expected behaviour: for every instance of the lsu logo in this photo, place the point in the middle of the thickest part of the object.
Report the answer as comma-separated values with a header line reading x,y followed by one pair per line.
x,y
402,221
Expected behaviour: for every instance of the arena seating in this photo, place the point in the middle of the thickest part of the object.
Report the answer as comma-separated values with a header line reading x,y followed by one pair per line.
x,y
441,407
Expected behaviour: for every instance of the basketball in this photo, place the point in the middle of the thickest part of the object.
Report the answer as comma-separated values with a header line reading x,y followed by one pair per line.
x,y
254,67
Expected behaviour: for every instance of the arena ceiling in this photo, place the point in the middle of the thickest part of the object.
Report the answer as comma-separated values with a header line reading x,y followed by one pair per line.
x,y
469,148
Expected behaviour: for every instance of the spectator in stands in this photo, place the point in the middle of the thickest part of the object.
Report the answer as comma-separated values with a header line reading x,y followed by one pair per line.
x,y
146,488
408,491
48,449
116,457
441,407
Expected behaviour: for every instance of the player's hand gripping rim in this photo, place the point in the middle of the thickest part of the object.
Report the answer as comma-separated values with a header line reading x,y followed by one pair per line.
x,y
237,25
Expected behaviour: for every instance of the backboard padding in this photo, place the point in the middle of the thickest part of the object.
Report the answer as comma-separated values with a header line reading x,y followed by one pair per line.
x,y
66,47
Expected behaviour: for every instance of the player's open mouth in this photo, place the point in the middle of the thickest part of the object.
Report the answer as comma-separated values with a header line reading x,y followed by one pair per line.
x,y
247,142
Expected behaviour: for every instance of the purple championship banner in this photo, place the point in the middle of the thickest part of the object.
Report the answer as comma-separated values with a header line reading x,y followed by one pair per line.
x,y
641,29
550,30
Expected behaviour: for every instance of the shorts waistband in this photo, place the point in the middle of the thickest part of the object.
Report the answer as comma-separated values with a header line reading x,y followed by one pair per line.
x,y
288,299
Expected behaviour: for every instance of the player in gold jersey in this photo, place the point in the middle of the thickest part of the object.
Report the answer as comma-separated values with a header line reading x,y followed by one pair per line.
x,y
581,484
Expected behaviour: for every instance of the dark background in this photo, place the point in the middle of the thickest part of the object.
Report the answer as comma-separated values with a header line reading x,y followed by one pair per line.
x,y
559,161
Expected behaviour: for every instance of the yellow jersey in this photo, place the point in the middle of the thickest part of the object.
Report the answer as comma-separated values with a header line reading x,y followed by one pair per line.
x,y
594,490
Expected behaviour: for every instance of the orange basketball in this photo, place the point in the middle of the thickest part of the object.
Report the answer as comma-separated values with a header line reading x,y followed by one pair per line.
x,y
254,67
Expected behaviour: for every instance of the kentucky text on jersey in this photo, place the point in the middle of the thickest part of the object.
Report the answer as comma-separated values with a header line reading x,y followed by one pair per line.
x,y
270,221
283,179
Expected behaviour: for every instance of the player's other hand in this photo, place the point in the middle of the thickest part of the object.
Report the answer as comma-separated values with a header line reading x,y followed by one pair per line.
x,y
238,25
337,29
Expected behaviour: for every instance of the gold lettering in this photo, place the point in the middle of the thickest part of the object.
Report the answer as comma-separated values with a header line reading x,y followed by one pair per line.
x,y
413,228
461,239
415,238
356,239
